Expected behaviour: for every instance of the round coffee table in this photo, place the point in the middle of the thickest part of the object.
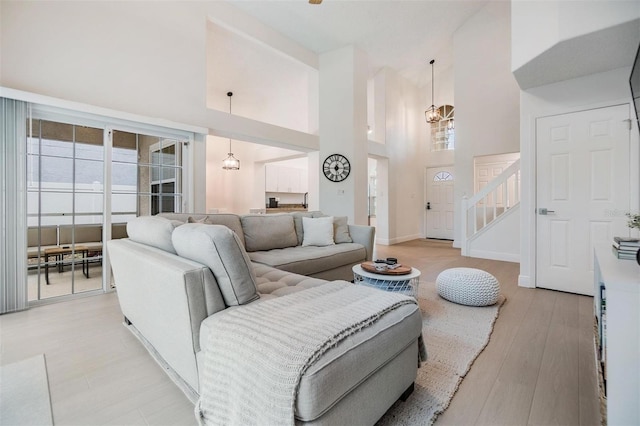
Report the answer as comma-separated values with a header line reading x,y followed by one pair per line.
x,y
405,284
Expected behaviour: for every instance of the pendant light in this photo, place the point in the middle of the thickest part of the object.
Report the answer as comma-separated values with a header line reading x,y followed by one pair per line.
x,y
230,163
432,114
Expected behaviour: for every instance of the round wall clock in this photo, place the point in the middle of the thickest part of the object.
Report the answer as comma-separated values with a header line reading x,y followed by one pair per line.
x,y
336,167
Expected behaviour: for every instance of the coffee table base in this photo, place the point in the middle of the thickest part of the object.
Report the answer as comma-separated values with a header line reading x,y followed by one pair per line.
x,y
405,284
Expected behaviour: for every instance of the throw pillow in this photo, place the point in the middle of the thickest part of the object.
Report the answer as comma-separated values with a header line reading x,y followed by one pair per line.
x,y
318,231
297,220
201,220
220,249
268,231
341,230
153,231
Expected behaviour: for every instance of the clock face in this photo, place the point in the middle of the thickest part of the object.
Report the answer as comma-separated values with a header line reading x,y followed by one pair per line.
x,y
336,168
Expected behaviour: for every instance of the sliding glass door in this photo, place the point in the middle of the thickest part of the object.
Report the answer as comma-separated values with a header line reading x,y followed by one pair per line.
x,y
85,182
65,190
147,175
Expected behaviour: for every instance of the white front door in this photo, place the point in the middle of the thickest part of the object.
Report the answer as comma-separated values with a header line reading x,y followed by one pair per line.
x,y
583,189
439,207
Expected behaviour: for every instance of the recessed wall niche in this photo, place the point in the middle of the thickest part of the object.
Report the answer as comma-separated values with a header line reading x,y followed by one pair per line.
x,y
268,85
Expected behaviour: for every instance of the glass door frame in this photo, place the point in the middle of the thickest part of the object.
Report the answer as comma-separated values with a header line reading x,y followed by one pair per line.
x,y
176,180
109,124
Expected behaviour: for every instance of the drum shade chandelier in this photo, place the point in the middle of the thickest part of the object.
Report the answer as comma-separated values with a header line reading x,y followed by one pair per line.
x,y
432,114
230,163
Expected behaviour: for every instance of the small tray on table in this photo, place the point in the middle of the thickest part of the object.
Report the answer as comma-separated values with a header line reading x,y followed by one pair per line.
x,y
371,267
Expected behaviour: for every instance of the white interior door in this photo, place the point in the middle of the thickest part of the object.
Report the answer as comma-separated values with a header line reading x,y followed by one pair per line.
x,y
439,207
583,183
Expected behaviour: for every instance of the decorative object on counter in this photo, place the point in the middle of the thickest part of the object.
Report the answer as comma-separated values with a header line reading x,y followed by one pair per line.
x,y
634,221
230,163
336,167
626,248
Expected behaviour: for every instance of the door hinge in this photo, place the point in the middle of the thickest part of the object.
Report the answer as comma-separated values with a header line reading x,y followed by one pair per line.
x,y
628,121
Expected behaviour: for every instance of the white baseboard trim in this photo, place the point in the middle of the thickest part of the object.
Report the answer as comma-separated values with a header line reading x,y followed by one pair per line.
x,y
457,244
382,241
494,255
399,240
525,281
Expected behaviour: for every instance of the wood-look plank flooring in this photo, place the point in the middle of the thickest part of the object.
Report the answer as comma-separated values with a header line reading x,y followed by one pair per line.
x,y
537,369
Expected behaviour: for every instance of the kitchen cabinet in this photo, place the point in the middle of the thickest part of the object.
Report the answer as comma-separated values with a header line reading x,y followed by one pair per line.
x,y
285,179
271,178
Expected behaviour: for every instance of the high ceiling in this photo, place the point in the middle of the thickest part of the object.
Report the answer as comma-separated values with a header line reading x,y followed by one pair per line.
x,y
403,35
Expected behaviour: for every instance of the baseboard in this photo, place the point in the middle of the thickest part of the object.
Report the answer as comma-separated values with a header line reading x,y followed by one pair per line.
x,y
494,255
457,244
397,240
525,281
382,241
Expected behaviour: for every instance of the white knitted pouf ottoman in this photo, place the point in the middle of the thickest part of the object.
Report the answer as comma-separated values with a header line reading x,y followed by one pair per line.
x,y
468,286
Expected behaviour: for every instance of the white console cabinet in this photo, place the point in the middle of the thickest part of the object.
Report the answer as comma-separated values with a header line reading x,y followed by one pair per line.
x,y
618,347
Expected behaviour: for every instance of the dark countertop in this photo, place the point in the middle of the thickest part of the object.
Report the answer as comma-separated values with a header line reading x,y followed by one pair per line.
x,y
283,208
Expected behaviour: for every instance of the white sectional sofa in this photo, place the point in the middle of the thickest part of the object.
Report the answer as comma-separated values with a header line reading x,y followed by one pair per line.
x,y
173,280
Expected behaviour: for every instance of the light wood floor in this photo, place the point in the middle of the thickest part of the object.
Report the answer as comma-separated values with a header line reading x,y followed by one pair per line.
x,y
537,369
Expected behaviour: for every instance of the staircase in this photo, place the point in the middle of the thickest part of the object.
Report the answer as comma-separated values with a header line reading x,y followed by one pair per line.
x,y
489,218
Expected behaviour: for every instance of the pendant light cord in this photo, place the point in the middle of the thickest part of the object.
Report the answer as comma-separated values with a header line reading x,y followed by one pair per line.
x,y
229,94
432,61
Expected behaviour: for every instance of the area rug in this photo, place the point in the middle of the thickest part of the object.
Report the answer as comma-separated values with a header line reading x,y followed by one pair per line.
x,y
24,393
454,335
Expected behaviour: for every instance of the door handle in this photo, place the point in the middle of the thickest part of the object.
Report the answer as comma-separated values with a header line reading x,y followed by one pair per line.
x,y
428,205
543,211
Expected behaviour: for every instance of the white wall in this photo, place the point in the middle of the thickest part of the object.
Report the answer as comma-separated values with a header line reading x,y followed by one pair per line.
x,y
401,198
343,120
146,58
597,90
561,20
107,54
279,91
486,95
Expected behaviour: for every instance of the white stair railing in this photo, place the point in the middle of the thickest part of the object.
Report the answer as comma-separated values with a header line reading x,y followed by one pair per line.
x,y
491,202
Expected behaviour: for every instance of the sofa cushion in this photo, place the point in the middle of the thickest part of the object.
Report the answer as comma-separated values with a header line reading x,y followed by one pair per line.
x,y
297,221
341,230
220,249
275,283
354,360
266,232
311,260
153,231
231,221
205,219
318,231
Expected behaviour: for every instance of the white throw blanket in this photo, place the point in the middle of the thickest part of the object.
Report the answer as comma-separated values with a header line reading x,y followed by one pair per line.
x,y
256,354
